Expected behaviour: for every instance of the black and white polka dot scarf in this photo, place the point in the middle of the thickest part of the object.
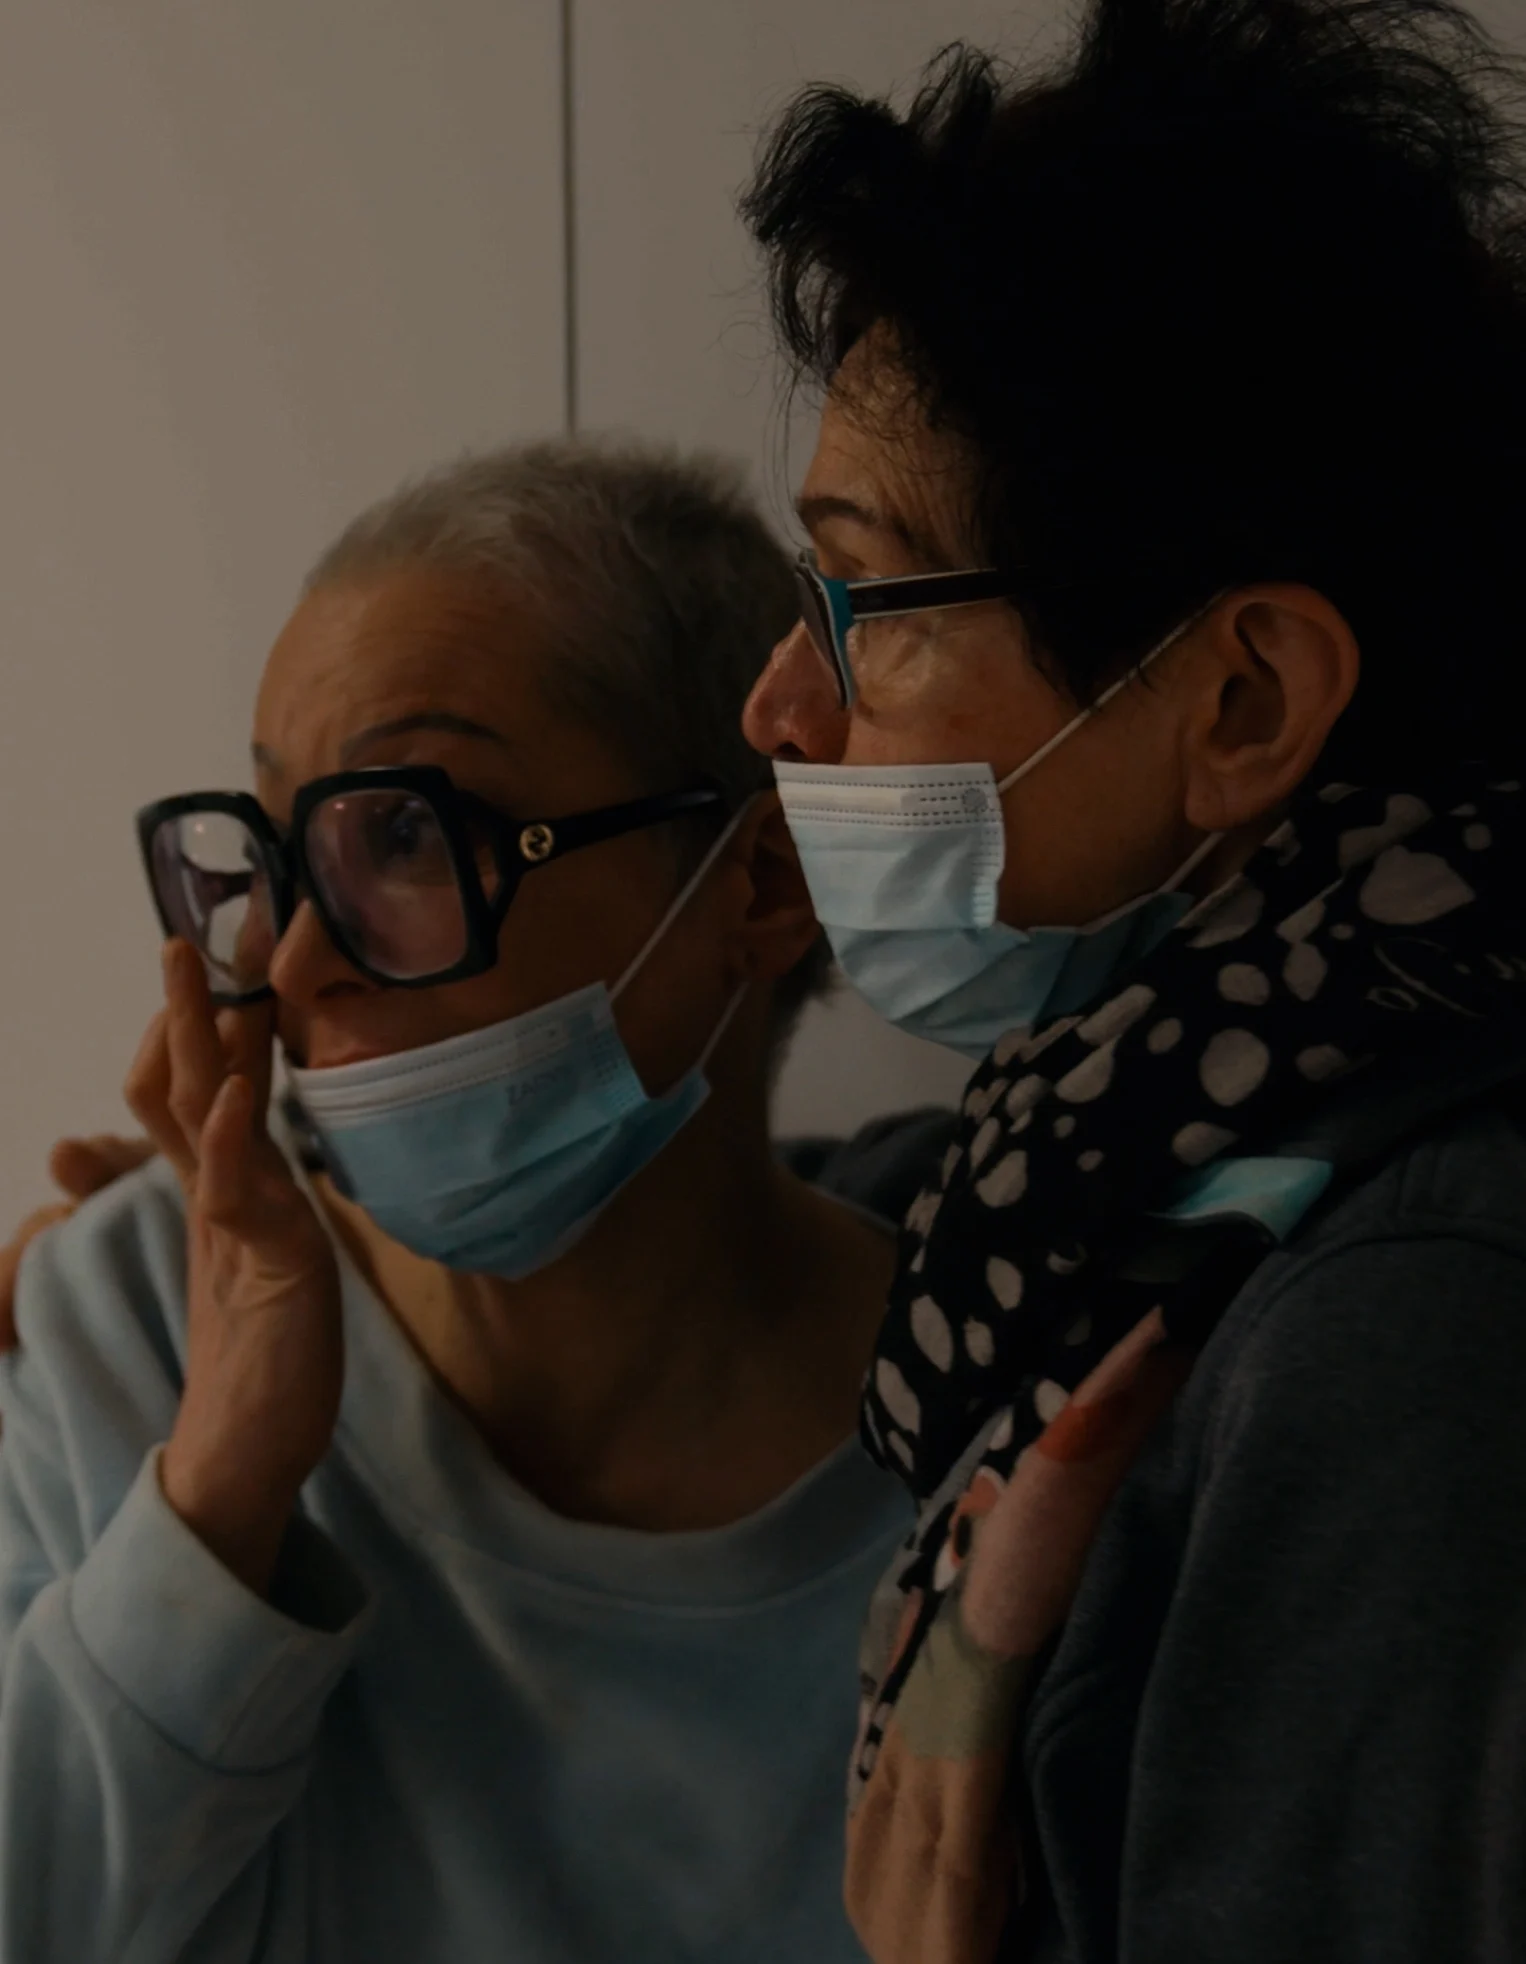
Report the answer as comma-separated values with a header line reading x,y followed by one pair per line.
x,y
1370,926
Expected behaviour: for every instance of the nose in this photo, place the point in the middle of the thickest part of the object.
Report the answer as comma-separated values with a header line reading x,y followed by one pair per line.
x,y
307,966
794,714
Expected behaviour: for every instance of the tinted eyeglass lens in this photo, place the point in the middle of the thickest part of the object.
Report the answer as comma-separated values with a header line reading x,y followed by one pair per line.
x,y
382,865
211,883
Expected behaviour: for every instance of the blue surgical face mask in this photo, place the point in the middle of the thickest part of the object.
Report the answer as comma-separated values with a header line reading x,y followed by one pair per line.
x,y
903,865
496,1151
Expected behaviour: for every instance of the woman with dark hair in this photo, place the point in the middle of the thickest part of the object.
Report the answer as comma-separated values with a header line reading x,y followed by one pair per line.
x,y
1151,735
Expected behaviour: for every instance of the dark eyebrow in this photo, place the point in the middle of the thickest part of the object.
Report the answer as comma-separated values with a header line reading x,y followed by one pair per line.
x,y
813,510
436,719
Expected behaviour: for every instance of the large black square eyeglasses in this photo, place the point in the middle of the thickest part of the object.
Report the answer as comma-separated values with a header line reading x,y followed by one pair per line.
x,y
411,876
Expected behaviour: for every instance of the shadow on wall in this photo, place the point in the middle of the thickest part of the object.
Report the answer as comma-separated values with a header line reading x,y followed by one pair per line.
x,y
846,1066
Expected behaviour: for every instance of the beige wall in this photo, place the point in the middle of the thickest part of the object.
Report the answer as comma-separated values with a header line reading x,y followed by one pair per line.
x,y
261,258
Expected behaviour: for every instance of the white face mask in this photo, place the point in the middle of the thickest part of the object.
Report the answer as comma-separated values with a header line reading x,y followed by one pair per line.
x,y
903,865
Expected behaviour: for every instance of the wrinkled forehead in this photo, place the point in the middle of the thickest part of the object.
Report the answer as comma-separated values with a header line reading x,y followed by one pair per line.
x,y
879,462
421,629
421,664
404,643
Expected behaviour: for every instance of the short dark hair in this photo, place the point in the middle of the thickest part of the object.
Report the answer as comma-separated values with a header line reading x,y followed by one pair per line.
x,y
1236,293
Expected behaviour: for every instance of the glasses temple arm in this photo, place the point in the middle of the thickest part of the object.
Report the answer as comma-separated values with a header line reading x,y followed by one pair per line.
x,y
920,591
581,829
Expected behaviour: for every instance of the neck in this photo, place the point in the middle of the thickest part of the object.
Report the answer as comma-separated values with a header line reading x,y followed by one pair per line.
x,y
1232,855
699,1350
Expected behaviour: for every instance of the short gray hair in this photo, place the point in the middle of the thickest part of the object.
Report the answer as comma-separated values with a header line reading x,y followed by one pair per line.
x,y
656,581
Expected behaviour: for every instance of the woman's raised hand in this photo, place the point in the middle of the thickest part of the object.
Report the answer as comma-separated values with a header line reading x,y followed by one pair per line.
x,y
265,1354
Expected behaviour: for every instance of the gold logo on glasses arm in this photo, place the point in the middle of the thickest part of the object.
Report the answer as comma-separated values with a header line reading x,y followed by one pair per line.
x,y
537,842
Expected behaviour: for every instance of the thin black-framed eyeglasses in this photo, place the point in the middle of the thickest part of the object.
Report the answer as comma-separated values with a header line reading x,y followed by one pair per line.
x,y
830,608
411,876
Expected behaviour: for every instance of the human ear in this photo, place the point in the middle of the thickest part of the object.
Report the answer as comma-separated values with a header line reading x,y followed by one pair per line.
x,y
1280,664
780,924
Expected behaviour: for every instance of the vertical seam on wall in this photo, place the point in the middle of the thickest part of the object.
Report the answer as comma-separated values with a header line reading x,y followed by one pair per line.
x,y
569,224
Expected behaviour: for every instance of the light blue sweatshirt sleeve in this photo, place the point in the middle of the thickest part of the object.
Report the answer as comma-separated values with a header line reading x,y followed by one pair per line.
x,y
157,1719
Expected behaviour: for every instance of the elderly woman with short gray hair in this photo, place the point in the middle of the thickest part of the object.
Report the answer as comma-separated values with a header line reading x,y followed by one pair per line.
x,y
438,1534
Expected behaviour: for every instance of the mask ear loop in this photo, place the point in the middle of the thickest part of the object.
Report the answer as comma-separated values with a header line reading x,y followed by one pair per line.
x,y
1115,688
1201,851
701,1063
686,893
